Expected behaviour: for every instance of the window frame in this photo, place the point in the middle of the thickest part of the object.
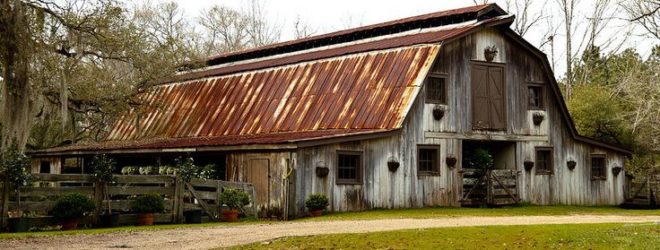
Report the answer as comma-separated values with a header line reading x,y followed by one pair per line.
x,y
551,169
358,171
436,164
541,93
443,100
42,164
604,167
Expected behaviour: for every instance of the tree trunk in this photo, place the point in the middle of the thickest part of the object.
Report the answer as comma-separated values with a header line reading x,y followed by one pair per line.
x,y
15,60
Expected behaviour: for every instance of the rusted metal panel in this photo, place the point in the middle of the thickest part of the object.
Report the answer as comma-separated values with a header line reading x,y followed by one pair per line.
x,y
334,94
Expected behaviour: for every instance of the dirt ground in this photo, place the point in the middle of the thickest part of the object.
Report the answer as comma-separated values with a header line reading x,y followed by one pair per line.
x,y
224,236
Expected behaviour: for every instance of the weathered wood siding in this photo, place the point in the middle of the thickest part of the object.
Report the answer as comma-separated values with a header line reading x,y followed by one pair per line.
x,y
273,180
522,67
404,188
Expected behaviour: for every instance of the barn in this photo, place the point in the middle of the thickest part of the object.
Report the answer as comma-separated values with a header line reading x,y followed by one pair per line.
x,y
390,115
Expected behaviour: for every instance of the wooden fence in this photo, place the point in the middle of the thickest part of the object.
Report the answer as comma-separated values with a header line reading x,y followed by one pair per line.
x,y
179,196
643,192
494,187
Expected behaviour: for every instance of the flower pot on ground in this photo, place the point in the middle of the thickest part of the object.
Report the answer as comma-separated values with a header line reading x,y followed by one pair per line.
x,y
69,208
20,224
316,203
145,206
193,216
235,200
109,220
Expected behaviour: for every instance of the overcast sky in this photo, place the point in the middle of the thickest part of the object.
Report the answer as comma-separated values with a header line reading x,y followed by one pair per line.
x,y
332,15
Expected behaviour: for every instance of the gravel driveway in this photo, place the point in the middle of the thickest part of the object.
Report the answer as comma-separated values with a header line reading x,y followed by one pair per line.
x,y
223,236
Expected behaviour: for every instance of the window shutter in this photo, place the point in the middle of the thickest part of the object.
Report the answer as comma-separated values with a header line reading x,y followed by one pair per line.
x,y
480,100
496,92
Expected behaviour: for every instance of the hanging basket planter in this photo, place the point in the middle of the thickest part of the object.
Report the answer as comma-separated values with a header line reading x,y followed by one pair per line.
x,y
438,112
616,170
571,164
528,165
322,172
538,118
393,165
451,161
490,53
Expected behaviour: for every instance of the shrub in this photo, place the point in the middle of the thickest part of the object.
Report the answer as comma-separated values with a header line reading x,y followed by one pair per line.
x,y
102,169
316,202
72,206
16,167
149,203
234,198
187,169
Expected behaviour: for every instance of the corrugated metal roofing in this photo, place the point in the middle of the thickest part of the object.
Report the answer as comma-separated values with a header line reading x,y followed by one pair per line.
x,y
361,91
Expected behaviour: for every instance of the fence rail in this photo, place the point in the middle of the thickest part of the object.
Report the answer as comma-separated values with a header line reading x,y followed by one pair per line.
x,y
179,196
489,187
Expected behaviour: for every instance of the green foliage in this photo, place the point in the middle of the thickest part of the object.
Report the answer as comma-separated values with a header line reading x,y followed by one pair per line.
x,y
72,205
16,167
234,198
186,168
478,158
596,114
102,168
316,201
149,203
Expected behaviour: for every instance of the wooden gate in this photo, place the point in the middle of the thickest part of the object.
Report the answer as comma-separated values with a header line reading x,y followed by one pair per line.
x,y
643,193
495,187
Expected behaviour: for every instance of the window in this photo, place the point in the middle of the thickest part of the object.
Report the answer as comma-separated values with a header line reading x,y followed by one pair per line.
x,y
349,167
427,159
44,167
436,91
598,167
535,97
543,160
72,165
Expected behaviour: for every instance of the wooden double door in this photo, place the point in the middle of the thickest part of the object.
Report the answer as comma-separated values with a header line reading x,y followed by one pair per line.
x,y
488,96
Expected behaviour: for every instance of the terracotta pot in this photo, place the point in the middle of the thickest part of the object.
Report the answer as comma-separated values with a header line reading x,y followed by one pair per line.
x,y
70,224
146,219
230,215
316,212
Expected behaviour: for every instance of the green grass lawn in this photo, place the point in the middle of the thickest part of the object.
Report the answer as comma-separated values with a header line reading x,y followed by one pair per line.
x,y
584,236
376,214
525,210
124,229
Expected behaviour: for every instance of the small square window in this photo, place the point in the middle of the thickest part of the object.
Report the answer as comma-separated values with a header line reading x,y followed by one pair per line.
x,y
535,97
427,159
436,90
44,167
598,167
543,160
349,167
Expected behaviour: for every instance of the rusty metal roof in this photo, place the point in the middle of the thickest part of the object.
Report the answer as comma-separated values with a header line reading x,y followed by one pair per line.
x,y
362,91
364,86
434,19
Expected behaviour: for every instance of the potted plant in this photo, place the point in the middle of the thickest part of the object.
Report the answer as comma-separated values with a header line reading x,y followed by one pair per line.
x,y
69,208
490,53
102,174
16,169
145,206
316,203
234,199
478,159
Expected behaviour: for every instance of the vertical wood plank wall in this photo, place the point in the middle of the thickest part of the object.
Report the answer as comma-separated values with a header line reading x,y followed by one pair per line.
x,y
404,188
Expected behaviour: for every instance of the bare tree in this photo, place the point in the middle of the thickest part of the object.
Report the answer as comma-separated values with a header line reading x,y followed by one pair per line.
x,y
480,2
645,13
260,31
226,29
302,29
526,18
567,8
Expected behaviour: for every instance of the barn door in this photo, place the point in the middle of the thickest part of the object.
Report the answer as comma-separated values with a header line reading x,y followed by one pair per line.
x,y
488,97
258,173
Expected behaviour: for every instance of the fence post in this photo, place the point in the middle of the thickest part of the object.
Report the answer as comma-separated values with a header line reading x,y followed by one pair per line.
x,y
5,202
177,211
98,200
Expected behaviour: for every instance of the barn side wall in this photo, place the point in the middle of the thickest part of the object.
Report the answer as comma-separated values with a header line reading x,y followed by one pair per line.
x,y
382,188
